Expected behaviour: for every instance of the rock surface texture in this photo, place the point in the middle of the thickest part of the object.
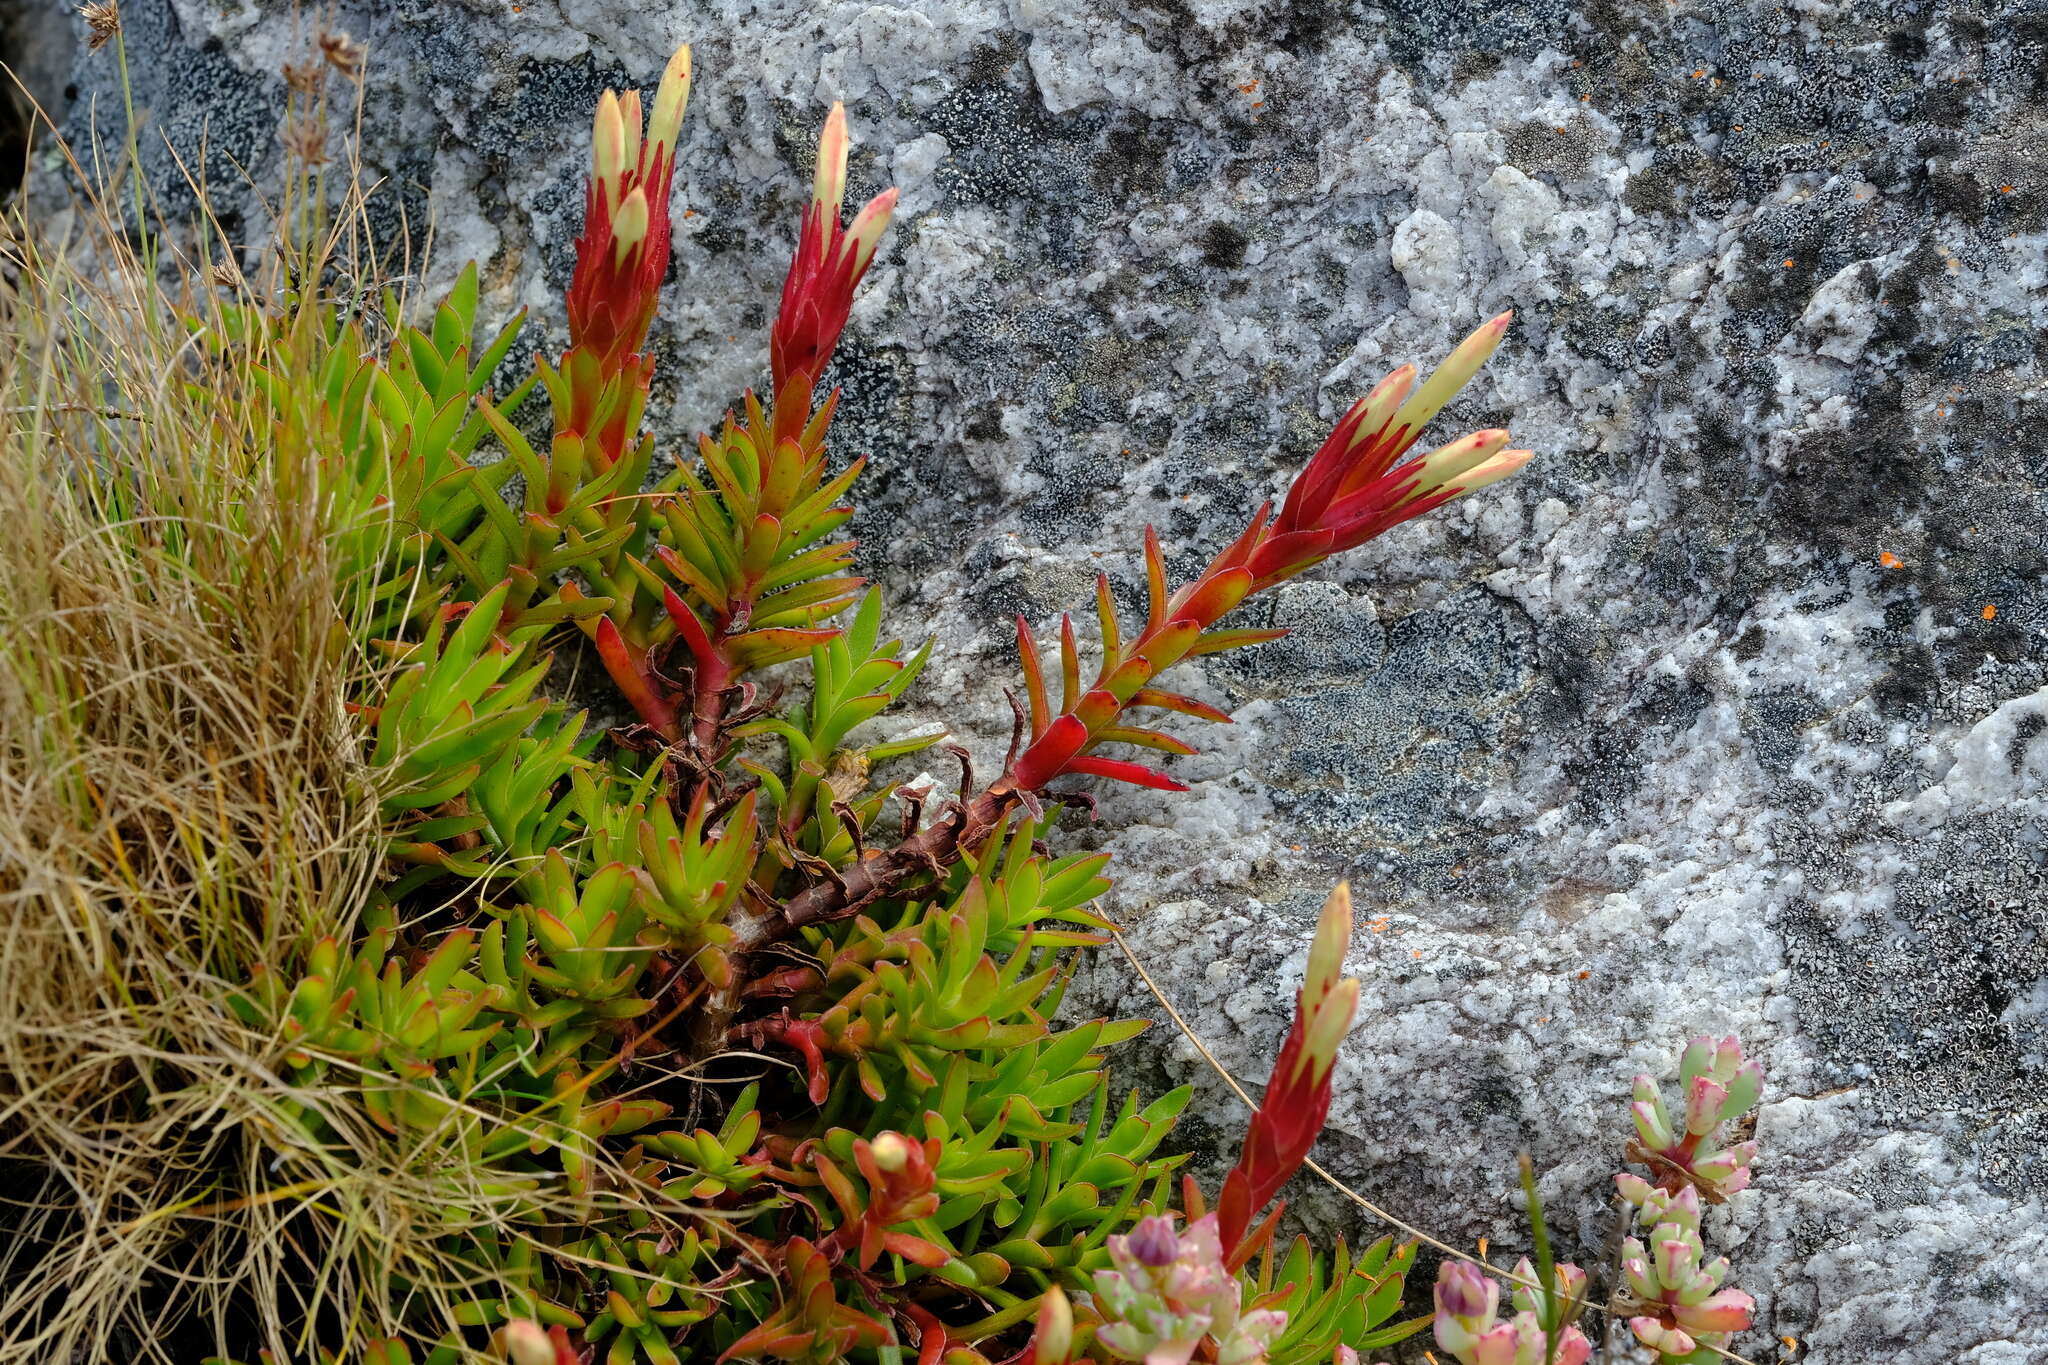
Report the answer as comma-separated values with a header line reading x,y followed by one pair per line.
x,y
1730,714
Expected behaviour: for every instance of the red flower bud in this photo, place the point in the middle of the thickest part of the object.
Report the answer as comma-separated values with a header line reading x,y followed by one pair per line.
x,y
830,260
623,252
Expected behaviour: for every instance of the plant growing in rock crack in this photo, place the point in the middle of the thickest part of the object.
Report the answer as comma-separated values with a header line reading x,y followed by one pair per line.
x,y
701,1039
1672,1295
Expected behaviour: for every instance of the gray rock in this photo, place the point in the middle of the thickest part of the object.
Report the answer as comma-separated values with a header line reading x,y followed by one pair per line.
x,y
1647,742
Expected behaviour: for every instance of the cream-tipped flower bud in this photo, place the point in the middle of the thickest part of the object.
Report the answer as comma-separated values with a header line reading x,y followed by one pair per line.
x,y
629,225
608,148
1326,1030
828,183
865,233
1445,465
892,1153
1443,384
1375,409
629,115
1495,469
670,99
1332,941
524,1342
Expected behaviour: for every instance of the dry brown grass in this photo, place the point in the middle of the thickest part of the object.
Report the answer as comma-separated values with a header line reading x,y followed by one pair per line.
x,y
175,805
182,802
179,801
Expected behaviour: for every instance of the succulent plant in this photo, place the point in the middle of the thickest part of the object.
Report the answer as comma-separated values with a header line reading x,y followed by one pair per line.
x,y
1467,1301
1674,1299
1719,1085
579,931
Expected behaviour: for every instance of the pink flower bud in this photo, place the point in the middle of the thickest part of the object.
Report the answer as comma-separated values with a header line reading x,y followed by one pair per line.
x,y
1465,1291
1152,1242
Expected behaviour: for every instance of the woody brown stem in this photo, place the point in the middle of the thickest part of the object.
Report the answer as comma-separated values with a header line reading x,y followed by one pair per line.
x,y
935,847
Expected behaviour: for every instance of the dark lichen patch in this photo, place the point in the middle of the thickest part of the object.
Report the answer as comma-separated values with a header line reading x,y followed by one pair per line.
x,y
1395,757
1223,246
1774,725
1429,35
546,103
1912,1006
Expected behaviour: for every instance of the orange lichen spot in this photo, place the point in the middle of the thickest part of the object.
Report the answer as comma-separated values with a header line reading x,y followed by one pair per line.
x,y
1789,262
1258,104
1560,127
1699,73
1890,560
1378,926
2005,189
1415,953
1584,975
1247,87
689,213
1990,611
1542,1018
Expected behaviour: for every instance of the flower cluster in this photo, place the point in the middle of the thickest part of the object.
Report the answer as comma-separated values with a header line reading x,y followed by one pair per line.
x,y
830,259
1674,1297
621,258
1675,1300
1467,1300
1169,1293
1720,1085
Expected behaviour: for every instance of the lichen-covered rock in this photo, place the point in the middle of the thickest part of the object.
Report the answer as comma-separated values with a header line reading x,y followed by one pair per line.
x,y
1725,716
